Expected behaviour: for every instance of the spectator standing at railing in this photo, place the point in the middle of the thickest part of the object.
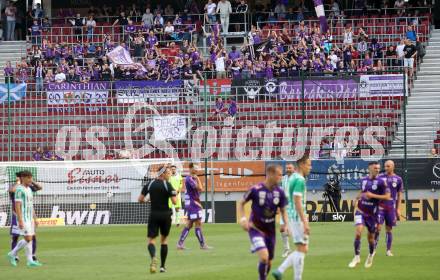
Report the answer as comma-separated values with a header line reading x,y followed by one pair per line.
x,y
129,31
158,19
224,9
411,34
147,19
410,52
348,36
210,8
220,64
9,72
45,25
152,40
241,11
139,45
121,20
78,22
391,57
400,52
376,49
90,26
10,13
39,75
35,30
38,12
158,24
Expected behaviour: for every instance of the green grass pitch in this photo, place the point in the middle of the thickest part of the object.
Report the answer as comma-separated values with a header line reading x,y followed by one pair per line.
x,y
119,252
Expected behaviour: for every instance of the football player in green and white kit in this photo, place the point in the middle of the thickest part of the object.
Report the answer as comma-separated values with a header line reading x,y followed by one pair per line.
x,y
298,220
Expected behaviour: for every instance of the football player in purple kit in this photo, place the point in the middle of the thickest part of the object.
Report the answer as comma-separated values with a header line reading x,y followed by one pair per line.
x,y
389,210
15,230
373,189
267,197
193,208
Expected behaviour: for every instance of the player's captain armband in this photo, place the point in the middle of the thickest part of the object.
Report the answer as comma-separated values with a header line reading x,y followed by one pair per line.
x,y
358,220
258,242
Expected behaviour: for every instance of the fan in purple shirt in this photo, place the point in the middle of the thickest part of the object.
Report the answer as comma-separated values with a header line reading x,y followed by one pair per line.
x,y
38,155
267,198
389,210
232,110
193,208
234,54
152,40
373,190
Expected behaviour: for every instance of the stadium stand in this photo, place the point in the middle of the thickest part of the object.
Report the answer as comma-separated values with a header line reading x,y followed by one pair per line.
x,y
354,46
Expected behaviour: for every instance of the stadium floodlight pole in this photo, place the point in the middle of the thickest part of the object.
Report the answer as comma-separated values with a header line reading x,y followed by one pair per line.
x,y
405,152
205,97
9,119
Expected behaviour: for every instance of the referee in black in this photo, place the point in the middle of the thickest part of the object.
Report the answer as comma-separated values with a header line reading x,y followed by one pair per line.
x,y
160,191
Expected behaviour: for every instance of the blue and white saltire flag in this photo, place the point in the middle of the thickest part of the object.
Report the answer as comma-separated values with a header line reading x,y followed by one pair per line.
x,y
320,13
16,92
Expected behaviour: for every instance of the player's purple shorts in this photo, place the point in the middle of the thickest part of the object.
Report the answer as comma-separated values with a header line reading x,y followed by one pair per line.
x,y
194,213
387,215
366,220
260,241
15,230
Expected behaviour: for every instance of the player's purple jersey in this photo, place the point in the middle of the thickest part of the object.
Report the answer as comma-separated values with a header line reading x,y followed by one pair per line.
x,y
192,195
377,186
395,184
265,204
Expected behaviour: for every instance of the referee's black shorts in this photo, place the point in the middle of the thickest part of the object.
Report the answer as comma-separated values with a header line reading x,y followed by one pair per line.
x,y
159,222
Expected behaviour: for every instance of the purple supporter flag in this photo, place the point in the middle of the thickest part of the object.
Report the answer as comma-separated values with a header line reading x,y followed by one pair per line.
x,y
121,56
320,13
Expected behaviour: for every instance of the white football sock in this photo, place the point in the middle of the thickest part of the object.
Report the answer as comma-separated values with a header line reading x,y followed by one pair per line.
x,y
288,262
28,250
298,264
285,238
20,245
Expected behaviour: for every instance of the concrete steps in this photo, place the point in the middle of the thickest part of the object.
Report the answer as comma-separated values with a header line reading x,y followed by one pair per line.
x,y
423,108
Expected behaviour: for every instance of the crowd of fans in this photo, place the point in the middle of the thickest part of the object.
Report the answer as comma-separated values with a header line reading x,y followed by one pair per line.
x,y
165,44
